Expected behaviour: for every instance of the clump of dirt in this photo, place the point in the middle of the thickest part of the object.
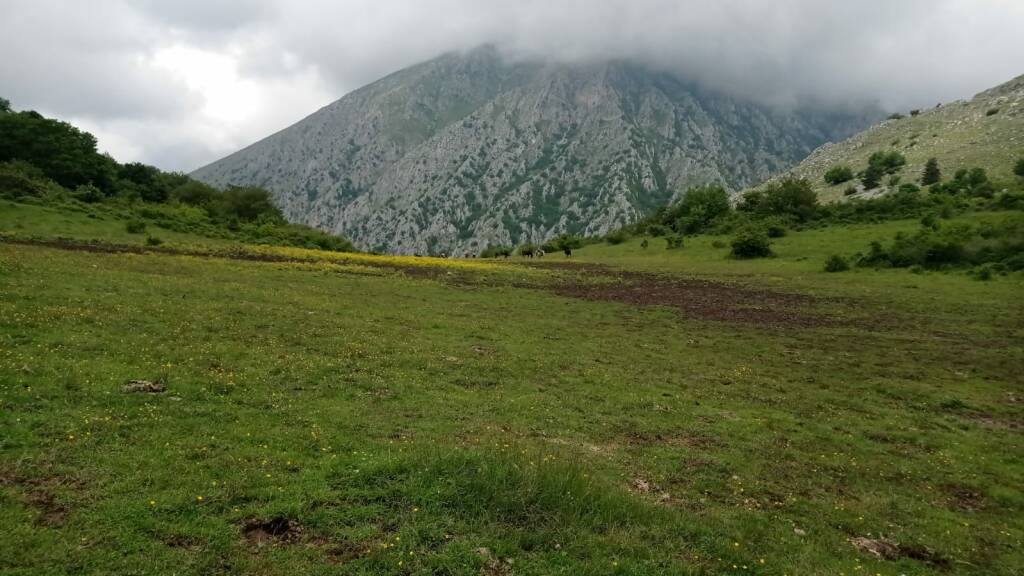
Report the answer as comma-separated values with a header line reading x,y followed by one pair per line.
x,y
889,550
145,386
273,530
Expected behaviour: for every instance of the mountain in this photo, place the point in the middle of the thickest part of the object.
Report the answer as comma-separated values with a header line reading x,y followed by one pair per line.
x,y
470,149
986,132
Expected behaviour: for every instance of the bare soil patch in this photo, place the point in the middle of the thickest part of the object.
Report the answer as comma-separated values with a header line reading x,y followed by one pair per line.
x,y
890,550
278,529
700,299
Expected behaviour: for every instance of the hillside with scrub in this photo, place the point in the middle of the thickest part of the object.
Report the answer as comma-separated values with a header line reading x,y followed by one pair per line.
x,y
777,385
985,132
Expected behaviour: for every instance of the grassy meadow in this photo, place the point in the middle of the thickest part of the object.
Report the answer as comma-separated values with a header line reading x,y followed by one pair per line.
x,y
333,413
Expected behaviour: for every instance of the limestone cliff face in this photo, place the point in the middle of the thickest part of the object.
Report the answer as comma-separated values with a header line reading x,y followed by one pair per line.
x,y
468,150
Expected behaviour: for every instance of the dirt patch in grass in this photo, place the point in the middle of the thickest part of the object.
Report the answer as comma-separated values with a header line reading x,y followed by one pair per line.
x,y
889,550
183,542
700,299
963,499
109,248
279,529
40,494
52,513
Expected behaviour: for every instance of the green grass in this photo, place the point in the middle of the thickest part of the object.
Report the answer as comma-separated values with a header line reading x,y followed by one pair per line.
x,y
84,223
419,426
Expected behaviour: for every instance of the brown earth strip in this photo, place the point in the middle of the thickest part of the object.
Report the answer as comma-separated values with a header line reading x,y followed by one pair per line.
x,y
702,299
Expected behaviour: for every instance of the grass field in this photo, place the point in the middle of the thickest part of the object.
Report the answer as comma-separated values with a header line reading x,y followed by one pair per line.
x,y
641,411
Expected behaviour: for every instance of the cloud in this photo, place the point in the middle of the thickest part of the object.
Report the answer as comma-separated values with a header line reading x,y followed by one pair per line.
x,y
182,83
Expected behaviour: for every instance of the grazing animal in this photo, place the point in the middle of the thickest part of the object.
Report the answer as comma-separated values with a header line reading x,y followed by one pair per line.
x,y
645,243
568,252
539,253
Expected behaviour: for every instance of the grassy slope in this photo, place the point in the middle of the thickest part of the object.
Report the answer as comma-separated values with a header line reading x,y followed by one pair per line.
x,y
98,223
407,423
959,134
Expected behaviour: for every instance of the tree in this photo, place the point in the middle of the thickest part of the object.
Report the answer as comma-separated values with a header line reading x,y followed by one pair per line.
x,y
64,153
792,198
872,177
697,209
5,105
249,203
838,175
148,181
195,193
1018,169
931,174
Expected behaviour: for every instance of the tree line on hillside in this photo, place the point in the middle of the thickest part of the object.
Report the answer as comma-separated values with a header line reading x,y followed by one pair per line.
x,y
50,161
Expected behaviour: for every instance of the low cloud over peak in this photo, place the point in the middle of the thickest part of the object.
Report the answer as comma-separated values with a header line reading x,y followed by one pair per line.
x,y
179,84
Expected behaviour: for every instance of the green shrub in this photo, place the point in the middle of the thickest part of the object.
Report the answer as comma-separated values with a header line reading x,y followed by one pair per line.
x,y
657,230
135,227
871,177
674,241
775,229
953,246
790,198
1018,168
19,179
887,162
992,112
838,175
931,174
88,193
617,237
751,242
836,263
153,241
968,182
718,244
850,191
496,251
697,209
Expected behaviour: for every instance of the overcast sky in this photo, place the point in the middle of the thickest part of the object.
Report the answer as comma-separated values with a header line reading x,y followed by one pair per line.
x,y
179,83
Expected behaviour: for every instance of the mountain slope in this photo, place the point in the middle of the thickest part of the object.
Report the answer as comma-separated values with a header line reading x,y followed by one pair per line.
x,y
986,131
468,150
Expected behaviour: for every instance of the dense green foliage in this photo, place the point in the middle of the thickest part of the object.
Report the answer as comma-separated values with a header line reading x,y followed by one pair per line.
x,y
751,242
1018,168
792,199
838,175
973,182
49,162
935,246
